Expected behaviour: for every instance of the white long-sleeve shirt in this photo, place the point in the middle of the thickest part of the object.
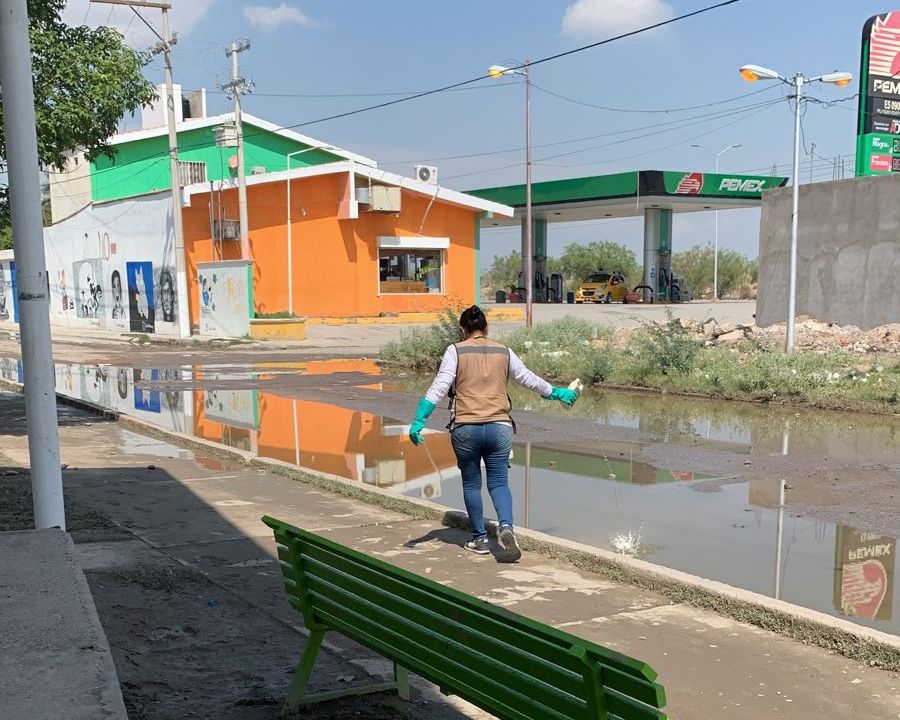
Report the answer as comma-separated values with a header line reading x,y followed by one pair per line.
x,y
517,371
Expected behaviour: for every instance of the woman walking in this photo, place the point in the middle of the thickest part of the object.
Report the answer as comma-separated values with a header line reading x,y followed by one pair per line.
x,y
475,373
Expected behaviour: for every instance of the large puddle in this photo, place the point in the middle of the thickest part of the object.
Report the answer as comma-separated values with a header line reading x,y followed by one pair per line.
x,y
631,496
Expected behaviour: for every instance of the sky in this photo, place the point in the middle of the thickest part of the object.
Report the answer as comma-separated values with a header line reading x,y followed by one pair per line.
x,y
310,59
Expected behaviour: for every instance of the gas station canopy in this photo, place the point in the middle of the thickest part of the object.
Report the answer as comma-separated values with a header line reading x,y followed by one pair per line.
x,y
653,194
629,194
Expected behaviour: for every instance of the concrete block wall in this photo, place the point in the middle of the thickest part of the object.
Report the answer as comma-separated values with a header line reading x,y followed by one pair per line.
x,y
848,252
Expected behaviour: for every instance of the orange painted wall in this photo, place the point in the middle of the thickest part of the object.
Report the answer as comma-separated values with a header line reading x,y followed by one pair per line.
x,y
335,261
329,437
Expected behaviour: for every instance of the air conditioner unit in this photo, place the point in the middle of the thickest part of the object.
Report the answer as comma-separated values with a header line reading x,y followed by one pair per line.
x,y
431,490
227,230
426,173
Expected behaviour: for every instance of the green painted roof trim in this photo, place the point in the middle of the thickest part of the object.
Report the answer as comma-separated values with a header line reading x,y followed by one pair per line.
x,y
643,183
562,191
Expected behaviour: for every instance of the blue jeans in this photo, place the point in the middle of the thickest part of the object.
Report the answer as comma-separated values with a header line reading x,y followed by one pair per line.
x,y
491,442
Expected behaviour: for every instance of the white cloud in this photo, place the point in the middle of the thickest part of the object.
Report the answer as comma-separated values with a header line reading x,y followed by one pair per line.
x,y
597,19
268,17
185,14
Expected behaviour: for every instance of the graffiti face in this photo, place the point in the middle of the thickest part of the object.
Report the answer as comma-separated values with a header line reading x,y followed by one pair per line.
x,y
115,283
167,296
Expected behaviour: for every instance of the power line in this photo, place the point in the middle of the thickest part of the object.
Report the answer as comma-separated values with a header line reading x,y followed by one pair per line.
x,y
143,20
663,111
362,95
743,115
471,81
678,122
541,61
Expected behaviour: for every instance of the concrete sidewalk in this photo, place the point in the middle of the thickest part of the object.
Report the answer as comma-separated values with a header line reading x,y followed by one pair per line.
x,y
53,651
203,515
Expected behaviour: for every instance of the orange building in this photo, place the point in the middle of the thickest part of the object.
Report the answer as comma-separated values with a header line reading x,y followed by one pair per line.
x,y
363,242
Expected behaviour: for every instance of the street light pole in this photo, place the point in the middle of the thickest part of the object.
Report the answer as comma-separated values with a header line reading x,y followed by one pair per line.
x,y
795,187
752,73
31,265
496,71
717,155
529,230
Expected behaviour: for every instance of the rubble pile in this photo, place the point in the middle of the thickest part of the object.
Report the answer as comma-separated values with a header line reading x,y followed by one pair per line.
x,y
809,334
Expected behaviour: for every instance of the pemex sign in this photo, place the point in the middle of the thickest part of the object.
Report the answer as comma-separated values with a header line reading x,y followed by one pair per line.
x,y
718,185
878,125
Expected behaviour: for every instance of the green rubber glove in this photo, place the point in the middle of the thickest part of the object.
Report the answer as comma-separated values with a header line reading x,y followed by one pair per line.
x,y
564,395
423,411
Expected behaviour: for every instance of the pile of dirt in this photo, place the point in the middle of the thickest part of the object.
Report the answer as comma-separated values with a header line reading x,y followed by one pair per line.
x,y
809,334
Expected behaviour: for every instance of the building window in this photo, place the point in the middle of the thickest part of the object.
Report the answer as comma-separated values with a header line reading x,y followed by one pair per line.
x,y
410,271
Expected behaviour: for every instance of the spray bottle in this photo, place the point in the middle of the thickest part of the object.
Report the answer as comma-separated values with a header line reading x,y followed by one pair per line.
x,y
577,386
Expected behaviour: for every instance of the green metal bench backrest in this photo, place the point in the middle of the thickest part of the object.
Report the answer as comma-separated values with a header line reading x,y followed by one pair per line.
x,y
509,665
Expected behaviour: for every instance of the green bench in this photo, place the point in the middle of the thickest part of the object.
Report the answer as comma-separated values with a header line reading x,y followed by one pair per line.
x,y
506,664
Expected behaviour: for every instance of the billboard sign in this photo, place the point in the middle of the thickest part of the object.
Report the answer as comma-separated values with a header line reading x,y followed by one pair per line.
x,y
879,98
863,574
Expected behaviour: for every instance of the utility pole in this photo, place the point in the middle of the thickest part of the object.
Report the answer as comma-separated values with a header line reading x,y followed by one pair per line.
x,y
164,47
31,265
237,87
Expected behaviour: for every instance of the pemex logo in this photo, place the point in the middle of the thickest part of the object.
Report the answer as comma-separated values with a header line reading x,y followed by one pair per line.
x,y
884,48
690,184
864,587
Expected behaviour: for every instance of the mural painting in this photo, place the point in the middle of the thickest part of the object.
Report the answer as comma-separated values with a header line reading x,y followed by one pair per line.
x,y
117,297
141,307
146,400
5,295
226,298
166,296
88,288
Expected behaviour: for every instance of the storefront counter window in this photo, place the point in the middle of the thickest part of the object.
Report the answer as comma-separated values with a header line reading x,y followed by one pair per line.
x,y
410,271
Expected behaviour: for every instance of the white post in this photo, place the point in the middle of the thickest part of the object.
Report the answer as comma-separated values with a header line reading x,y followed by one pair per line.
x,y
31,265
716,247
290,243
792,282
529,230
181,286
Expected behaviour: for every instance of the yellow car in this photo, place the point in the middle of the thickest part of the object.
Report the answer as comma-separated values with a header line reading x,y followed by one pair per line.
x,y
602,287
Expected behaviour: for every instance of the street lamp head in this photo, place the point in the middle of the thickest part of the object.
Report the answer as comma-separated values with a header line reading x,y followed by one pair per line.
x,y
752,73
841,79
496,71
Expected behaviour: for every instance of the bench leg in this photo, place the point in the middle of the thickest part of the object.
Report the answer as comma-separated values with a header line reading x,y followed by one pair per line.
x,y
401,677
297,697
297,690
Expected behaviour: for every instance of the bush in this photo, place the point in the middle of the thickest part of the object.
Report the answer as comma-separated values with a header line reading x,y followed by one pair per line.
x,y
423,348
566,334
664,348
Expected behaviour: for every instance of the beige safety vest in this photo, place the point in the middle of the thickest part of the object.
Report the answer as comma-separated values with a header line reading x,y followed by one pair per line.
x,y
482,373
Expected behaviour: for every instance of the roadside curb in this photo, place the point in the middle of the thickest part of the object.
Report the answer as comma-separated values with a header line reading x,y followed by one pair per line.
x,y
811,627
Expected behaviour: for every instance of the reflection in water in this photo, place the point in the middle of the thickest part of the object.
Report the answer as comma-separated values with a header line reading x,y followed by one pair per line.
x,y
607,494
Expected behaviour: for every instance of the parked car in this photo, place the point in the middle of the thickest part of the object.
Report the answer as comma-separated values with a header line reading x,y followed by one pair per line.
x,y
602,287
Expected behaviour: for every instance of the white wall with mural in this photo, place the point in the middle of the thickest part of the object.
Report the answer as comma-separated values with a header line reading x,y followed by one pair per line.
x,y
226,297
111,266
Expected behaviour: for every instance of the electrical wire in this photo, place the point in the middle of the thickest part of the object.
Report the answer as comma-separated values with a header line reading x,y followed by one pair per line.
x,y
744,114
679,121
471,81
144,20
361,95
541,61
663,111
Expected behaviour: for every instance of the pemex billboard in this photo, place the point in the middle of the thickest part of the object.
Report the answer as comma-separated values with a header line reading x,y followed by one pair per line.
x,y
878,127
